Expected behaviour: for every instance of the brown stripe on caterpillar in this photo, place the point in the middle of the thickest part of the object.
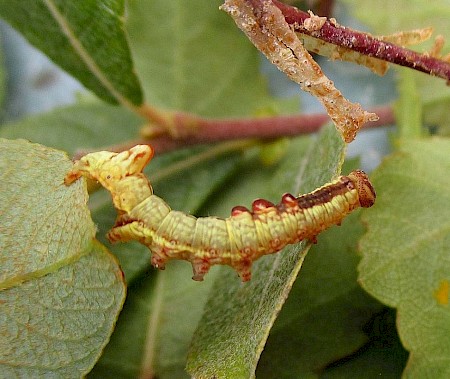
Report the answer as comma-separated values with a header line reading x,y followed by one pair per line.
x,y
235,241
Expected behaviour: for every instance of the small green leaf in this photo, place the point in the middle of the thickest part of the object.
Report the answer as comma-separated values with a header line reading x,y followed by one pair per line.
x,y
58,325
84,125
408,108
238,317
436,103
45,225
190,56
86,38
405,262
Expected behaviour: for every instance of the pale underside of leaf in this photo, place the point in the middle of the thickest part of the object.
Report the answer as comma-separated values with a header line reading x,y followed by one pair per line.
x,y
61,290
57,325
44,224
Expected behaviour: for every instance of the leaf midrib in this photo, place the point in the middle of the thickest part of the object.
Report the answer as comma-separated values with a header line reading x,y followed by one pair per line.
x,y
85,55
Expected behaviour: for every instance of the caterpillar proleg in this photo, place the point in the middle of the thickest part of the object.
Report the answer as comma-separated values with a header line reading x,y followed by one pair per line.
x,y
235,241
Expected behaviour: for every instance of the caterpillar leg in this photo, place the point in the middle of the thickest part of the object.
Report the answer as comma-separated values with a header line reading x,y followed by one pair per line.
x,y
244,269
133,230
200,268
158,261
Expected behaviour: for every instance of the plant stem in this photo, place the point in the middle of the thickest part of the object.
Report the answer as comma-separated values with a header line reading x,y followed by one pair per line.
x,y
207,130
366,44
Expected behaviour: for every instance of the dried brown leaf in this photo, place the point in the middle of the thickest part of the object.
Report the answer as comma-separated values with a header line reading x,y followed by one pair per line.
x,y
410,37
340,53
266,27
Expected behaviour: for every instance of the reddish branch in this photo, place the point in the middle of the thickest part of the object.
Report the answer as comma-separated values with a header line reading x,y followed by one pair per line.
x,y
366,44
215,130
218,130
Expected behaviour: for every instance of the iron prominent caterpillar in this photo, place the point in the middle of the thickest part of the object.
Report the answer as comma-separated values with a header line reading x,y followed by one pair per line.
x,y
235,241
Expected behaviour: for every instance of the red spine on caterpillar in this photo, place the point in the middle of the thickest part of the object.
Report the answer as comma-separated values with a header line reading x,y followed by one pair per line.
x,y
235,241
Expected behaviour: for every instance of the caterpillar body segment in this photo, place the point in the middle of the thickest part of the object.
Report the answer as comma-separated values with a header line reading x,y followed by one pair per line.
x,y
235,241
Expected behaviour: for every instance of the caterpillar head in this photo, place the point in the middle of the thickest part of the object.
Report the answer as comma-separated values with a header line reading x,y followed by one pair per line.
x,y
119,173
108,168
366,192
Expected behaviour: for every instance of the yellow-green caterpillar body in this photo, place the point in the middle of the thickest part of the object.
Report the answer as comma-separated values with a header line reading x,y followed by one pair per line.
x,y
235,241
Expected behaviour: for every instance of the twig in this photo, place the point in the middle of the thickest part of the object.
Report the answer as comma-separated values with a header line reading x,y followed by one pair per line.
x,y
366,44
215,130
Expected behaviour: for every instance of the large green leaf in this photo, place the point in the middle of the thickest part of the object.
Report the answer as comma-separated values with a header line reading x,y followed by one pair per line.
x,y
238,317
405,263
86,38
61,290
190,56
58,325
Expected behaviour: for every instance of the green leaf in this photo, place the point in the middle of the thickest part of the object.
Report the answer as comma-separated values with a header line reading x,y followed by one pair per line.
x,y
160,315
408,108
238,317
3,81
61,290
84,125
58,325
86,38
384,356
45,225
436,103
405,263
323,318
190,56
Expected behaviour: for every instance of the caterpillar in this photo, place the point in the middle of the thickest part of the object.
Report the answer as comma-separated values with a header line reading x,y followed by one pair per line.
x,y
205,241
